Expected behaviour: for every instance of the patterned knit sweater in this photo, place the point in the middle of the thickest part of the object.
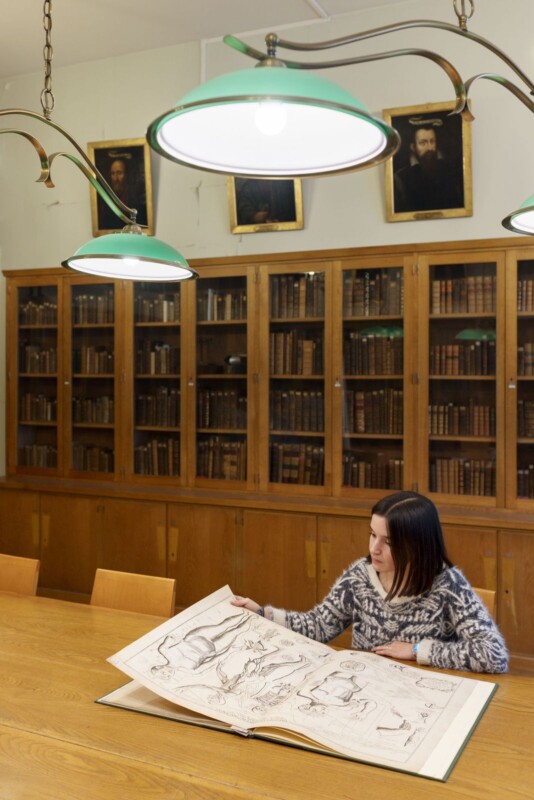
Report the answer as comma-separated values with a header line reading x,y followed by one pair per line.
x,y
453,627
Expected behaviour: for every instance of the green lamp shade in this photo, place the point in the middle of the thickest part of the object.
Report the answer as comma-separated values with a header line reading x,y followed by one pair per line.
x,y
522,220
272,121
130,256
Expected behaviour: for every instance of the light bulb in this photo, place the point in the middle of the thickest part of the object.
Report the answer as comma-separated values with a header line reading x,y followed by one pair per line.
x,y
270,117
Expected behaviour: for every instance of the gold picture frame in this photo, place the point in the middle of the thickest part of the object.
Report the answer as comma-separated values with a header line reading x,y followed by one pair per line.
x,y
435,186
131,180
259,205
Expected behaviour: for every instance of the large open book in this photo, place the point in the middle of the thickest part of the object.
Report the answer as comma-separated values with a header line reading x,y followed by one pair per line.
x,y
227,668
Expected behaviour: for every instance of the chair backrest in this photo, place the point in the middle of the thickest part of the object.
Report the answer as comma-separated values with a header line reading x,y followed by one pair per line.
x,y
18,574
488,598
128,591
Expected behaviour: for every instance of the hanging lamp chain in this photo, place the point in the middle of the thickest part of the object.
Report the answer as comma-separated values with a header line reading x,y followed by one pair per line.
x,y
463,17
47,97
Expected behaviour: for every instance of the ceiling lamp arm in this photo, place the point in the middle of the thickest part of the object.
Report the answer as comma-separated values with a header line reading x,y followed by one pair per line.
x,y
91,172
491,76
274,60
401,26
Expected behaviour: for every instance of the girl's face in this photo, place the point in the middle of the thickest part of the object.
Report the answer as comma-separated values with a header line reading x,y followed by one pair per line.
x,y
379,548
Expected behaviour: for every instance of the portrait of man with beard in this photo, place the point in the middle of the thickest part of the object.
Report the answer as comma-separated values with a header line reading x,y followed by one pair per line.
x,y
431,179
125,165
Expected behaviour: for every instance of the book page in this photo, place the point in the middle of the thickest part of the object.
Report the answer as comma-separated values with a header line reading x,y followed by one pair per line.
x,y
231,665
222,661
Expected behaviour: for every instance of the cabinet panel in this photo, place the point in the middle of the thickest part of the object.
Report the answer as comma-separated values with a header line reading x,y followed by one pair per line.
x,y
474,551
19,523
201,550
132,536
516,591
69,542
278,559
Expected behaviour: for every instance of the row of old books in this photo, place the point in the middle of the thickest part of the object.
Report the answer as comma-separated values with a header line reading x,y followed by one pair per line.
x,y
373,293
297,296
224,408
41,311
91,458
221,305
525,482
298,463
158,457
37,408
525,418
466,358
461,419
37,455
296,410
38,359
525,359
463,476
157,358
93,360
221,459
295,353
93,309
525,294
158,307
474,294
375,411
372,354
381,472
160,408
93,410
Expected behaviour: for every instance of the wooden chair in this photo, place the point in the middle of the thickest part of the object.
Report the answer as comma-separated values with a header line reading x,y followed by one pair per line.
x,y
18,574
488,598
128,591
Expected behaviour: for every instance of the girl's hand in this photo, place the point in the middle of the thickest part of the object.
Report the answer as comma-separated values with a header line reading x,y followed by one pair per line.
x,y
245,602
396,650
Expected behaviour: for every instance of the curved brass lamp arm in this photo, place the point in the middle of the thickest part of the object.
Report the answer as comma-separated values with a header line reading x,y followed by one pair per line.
x,y
452,73
491,76
94,182
90,171
401,26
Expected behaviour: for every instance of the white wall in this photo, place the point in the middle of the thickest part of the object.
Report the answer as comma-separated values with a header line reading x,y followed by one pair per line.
x,y
118,98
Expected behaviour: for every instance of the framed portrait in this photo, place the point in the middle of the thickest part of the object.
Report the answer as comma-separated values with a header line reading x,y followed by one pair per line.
x,y
430,176
263,204
125,164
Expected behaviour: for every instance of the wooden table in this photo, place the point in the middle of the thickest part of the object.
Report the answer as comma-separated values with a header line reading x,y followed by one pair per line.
x,y
57,743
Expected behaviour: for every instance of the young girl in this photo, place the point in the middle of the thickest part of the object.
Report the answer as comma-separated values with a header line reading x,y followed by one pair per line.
x,y
405,600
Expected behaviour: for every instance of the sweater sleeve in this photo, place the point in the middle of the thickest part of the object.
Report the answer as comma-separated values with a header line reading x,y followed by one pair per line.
x,y
330,617
478,645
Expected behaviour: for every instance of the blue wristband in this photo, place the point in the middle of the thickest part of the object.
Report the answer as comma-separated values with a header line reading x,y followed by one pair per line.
x,y
415,649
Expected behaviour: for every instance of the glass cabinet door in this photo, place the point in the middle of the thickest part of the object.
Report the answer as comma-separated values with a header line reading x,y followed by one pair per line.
x,y
462,394
37,379
222,378
523,378
92,379
297,364
157,380
372,410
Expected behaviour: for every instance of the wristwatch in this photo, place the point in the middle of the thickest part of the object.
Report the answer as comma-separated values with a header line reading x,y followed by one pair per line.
x,y
415,649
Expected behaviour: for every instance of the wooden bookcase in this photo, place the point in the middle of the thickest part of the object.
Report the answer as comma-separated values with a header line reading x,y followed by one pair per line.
x,y
256,414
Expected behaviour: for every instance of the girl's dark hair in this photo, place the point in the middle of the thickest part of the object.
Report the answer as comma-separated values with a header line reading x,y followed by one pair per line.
x,y
416,541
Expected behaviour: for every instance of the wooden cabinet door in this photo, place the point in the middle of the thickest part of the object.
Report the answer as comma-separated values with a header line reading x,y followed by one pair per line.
x,y
278,559
19,523
515,594
341,541
474,551
201,550
69,544
132,536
